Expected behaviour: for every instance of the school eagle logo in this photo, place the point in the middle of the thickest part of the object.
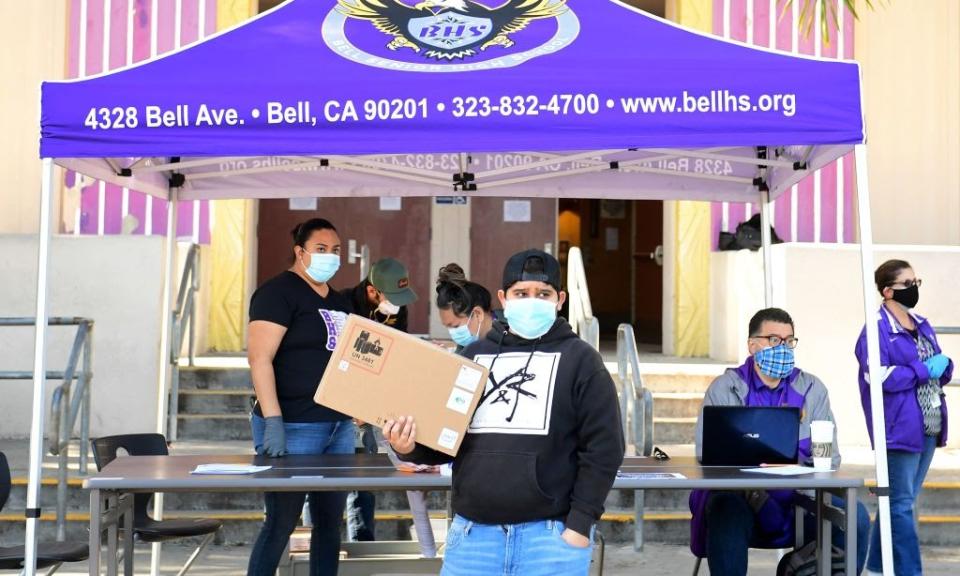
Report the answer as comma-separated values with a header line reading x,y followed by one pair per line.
x,y
450,29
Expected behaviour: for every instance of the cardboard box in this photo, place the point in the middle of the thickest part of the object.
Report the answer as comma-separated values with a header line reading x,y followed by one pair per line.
x,y
377,374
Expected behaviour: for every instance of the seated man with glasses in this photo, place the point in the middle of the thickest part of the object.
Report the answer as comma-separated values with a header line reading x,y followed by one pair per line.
x,y
726,523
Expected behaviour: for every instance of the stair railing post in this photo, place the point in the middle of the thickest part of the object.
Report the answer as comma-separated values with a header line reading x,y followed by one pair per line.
x,y
84,464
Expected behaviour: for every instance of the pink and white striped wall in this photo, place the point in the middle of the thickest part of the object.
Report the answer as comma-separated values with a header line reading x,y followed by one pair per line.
x,y
104,35
820,208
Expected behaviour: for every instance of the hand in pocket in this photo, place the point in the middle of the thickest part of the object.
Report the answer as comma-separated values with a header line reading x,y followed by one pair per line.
x,y
575,539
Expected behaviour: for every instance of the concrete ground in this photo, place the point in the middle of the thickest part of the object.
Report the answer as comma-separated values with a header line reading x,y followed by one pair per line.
x,y
656,560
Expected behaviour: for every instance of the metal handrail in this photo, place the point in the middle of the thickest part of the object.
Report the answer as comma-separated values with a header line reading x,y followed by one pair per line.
x,y
184,311
66,405
636,413
582,319
636,402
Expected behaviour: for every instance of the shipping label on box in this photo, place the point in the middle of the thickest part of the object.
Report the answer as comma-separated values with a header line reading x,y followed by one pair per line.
x,y
377,374
368,350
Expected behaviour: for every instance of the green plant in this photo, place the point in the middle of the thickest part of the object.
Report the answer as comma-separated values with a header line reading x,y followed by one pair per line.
x,y
827,10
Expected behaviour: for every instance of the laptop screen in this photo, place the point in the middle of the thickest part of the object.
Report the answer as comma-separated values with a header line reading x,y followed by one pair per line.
x,y
749,436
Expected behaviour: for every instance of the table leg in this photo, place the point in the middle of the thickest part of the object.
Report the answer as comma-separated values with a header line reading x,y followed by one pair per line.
x,y
96,510
852,517
824,533
112,532
128,553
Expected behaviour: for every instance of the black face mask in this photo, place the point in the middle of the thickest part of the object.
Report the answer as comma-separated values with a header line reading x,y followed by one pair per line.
x,y
908,297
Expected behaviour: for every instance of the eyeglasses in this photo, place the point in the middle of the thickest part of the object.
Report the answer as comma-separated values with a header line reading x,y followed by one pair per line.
x,y
775,340
908,283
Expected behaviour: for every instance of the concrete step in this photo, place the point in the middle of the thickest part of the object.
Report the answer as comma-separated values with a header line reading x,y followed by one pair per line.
x,y
77,497
212,427
673,430
680,382
215,378
653,500
676,404
215,401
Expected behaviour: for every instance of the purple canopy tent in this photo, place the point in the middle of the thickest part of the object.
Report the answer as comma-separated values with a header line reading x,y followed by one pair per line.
x,y
389,97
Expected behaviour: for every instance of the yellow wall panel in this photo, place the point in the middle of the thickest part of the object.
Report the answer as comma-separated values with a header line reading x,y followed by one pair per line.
x,y
230,253
691,221
691,330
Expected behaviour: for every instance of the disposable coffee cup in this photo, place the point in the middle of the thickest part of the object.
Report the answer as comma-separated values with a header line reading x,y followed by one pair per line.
x,y
821,440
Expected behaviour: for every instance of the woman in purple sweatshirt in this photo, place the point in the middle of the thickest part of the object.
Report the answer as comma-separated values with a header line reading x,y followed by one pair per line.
x,y
914,372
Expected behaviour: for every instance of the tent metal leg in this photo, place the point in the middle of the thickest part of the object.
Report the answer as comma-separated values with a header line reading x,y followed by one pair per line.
x,y
170,256
39,372
873,352
766,240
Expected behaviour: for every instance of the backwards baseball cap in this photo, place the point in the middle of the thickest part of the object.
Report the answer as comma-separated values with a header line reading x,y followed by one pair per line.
x,y
531,265
390,277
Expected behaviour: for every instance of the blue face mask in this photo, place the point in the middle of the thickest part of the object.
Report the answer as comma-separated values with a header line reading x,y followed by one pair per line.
x,y
322,266
775,362
462,335
530,318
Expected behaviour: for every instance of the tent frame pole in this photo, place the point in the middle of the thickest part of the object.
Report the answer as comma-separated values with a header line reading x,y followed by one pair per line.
x,y
766,240
163,381
37,425
873,355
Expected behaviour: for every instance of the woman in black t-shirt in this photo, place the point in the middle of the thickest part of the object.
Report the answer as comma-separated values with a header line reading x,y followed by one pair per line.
x,y
295,320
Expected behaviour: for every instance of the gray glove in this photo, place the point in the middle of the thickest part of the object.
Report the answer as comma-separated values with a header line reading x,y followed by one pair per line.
x,y
274,438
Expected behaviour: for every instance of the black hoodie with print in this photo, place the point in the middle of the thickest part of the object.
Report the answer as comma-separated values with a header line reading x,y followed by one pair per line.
x,y
545,441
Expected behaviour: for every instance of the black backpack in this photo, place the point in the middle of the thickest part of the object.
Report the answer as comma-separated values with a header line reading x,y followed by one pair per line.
x,y
748,236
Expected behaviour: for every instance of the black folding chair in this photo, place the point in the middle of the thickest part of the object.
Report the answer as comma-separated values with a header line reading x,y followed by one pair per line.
x,y
145,528
49,554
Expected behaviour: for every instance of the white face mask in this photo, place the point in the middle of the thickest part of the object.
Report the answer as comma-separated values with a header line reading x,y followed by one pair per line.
x,y
322,267
530,318
388,309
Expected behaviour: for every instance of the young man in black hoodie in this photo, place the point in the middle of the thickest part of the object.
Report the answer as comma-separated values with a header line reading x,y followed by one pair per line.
x,y
544,445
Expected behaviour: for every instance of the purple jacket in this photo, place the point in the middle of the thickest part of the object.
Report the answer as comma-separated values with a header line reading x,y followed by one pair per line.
x,y
902,373
742,387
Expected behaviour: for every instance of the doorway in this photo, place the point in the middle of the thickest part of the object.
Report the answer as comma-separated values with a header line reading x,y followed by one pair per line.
x,y
621,244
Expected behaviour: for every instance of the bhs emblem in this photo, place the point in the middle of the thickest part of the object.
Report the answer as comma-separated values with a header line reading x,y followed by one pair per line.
x,y
450,30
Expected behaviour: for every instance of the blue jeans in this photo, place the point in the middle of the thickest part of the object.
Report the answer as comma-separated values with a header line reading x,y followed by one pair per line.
x,y
907,471
529,549
283,508
361,505
731,528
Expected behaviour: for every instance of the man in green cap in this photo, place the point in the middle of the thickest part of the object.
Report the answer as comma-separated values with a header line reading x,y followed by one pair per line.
x,y
383,297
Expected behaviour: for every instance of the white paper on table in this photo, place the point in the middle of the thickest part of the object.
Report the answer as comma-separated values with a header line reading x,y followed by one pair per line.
x,y
650,476
784,470
228,469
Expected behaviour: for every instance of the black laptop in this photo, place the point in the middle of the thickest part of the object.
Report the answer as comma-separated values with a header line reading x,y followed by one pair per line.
x,y
742,436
